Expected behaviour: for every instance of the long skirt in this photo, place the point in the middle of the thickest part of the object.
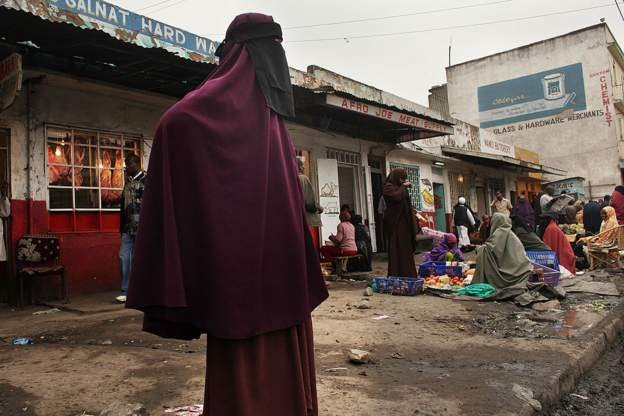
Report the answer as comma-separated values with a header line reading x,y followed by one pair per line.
x,y
267,375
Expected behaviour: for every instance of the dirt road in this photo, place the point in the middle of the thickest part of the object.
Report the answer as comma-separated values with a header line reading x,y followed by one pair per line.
x,y
432,356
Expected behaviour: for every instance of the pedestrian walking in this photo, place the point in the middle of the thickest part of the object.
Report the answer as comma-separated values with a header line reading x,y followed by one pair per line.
x,y
131,200
464,221
399,225
501,205
223,247
524,210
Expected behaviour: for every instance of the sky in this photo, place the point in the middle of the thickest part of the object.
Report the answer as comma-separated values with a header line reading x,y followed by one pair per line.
x,y
405,64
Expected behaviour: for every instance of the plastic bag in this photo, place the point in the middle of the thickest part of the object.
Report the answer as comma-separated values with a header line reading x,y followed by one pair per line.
x,y
478,290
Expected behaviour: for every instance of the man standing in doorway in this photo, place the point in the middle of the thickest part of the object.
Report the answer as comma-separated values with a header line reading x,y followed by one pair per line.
x,y
501,205
5,211
129,222
313,210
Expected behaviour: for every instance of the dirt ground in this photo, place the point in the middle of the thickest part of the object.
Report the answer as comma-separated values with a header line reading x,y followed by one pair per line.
x,y
431,356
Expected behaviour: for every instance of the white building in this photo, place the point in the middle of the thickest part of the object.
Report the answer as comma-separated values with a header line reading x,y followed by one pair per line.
x,y
560,97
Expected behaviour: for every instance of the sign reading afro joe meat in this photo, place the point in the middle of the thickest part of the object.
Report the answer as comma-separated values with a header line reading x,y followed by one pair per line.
x,y
539,95
385,114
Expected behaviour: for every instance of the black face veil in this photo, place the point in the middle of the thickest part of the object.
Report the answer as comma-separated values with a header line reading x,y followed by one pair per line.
x,y
263,43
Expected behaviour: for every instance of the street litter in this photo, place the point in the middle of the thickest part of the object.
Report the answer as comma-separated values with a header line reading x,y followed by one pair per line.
x,y
526,394
397,356
358,356
22,341
194,410
47,311
336,369
578,396
379,318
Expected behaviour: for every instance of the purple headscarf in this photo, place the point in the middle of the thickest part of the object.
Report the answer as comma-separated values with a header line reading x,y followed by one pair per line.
x,y
525,210
439,251
222,181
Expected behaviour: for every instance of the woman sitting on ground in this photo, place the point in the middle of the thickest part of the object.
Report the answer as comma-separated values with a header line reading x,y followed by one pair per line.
x,y
558,242
502,261
527,236
344,240
446,250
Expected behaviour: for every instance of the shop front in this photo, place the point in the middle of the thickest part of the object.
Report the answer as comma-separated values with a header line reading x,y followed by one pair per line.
x,y
572,186
82,108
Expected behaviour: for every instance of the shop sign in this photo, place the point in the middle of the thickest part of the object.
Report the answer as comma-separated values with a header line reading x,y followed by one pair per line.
x,y
492,146
121,24
530,156
10,79
386,114
539,95
571,186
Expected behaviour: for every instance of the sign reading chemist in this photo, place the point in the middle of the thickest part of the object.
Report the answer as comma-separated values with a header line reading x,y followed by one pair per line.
x,y
534,96
116,16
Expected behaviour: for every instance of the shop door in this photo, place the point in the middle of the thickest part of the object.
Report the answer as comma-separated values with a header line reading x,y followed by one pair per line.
x,y
346,184
377,181
482,201
329,196
440,207
5,270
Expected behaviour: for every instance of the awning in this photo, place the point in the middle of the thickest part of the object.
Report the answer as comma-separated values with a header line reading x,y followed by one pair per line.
x,y
500,161
404,126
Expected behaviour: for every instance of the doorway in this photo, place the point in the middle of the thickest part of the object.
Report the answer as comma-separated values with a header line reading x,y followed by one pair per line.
x,y
482,201
346,186
377,181
5,171
440,207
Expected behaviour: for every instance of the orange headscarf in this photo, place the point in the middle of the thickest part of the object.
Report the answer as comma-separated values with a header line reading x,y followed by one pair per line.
x,y
608,228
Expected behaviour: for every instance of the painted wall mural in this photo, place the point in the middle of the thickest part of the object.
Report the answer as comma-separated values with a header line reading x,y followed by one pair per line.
x,y
539,95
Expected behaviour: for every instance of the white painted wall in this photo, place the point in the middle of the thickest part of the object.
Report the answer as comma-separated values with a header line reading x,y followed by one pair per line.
x,y
586,147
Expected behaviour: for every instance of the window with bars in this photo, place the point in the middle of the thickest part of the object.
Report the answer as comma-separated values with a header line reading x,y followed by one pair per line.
x,y
413,175
343,156
85,168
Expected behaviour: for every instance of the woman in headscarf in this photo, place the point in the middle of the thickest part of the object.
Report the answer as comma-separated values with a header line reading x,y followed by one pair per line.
x,y
446,250
558,242
524,231
608,230
363,241
617,202
399,225
207,260
524,210
344,240
502,261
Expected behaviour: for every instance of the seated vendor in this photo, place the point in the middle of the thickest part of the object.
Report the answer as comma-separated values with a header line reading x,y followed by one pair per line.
x,y
527,236
502,261
344,240
608,230
446,250
557,241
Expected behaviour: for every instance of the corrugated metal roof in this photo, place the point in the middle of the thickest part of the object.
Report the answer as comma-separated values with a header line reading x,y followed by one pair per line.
x,y
121,24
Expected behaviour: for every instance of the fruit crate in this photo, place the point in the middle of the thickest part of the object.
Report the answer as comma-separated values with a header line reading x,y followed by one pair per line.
x,y
544,258
407,286
551,276
439,268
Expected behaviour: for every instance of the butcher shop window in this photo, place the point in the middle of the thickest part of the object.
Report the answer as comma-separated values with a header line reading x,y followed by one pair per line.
x,y
85,168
